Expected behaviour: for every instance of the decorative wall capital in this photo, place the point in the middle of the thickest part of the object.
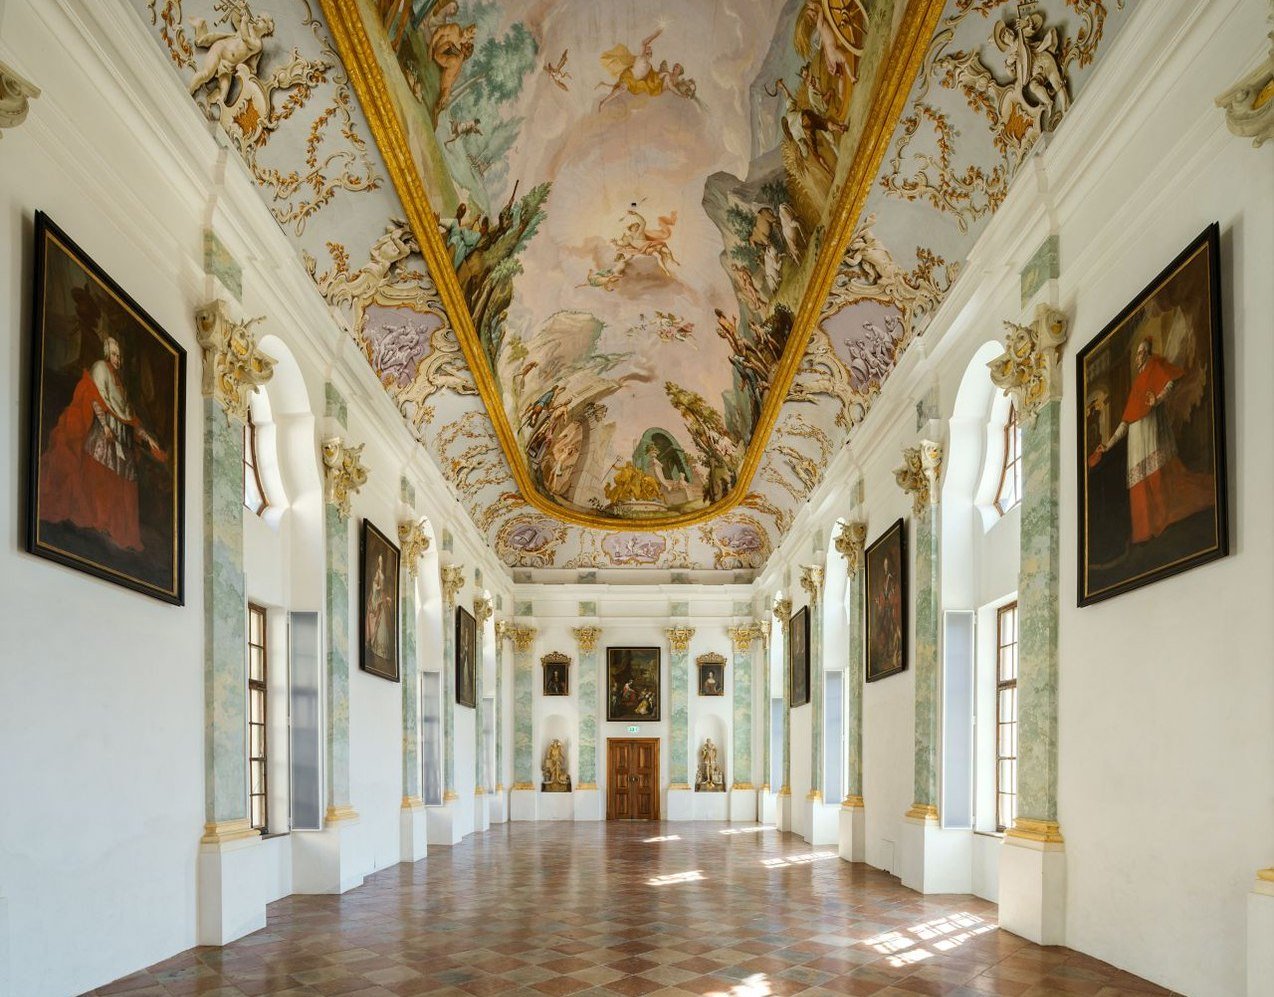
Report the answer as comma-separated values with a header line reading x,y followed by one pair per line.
x,y
343,472
1028,370
483,607
679,637
743,635
919,474
1249,104
586,637
233,364
783,611
812,580
452,576
523,637
16,94
414,541
850,542
502,630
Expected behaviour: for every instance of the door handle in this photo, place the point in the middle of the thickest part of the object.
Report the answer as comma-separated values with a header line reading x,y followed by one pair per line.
x,y
632,778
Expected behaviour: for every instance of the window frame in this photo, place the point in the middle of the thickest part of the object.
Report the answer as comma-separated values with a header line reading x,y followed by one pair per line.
x,y
252,463
261,685
1011,462
1002,685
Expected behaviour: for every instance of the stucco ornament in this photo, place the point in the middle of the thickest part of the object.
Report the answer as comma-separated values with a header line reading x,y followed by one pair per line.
x,y
586,637
343,472
452,576
783,611
1249,104
743,635
482,609
233,365
918,476
503,629
523,637
812,580
679,638
1029,368
850,543
16,94
413,538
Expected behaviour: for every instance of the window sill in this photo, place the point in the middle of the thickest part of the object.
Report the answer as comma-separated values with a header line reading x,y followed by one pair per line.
x,y
990,834
266,836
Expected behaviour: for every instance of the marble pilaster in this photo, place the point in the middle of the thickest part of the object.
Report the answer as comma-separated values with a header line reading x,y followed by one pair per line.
x,y
482,610
587,698
679,708
501,635
812,582
452,583
741,637
524,768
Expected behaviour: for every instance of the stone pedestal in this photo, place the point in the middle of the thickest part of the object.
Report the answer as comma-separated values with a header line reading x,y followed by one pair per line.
x,y
413,828
743,805
588,803
823,822
711,806
557,806
444,823
933,860
681,803
1033,889
499,806
852,832
327,861
783,814
231,894
524,804
1260,935
769,807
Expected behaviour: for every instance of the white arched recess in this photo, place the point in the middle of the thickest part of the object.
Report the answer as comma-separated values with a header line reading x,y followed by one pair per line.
x,y
979,564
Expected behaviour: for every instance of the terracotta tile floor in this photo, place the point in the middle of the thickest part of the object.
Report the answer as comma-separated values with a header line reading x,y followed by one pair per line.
x,y
735,910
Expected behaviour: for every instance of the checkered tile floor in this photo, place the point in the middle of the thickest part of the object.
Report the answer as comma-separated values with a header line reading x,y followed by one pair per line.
x,y
732,910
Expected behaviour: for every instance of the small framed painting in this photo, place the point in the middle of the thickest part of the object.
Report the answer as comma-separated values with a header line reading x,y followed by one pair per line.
x,y
798,657
557,677
711,674
107,415
886,595
1152,469
632,684
378,603
466,658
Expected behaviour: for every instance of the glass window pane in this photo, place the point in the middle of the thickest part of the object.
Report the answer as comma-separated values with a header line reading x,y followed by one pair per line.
x,y
257,739
256,627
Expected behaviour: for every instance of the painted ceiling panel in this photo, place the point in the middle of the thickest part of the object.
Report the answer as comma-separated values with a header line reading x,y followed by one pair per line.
x,y
580,367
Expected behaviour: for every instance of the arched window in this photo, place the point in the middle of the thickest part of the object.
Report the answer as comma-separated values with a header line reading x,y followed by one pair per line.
x,y
1009,493
254,499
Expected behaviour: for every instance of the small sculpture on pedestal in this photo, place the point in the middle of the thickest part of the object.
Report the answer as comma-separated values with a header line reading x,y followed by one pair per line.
x,y
710,778
556,778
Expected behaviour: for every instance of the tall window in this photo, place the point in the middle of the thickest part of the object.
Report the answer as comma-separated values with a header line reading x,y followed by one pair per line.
x,y
253,494
1006,717
257,810
1010,491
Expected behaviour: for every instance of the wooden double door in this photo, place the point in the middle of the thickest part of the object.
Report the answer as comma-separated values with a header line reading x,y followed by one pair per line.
x,y
632,778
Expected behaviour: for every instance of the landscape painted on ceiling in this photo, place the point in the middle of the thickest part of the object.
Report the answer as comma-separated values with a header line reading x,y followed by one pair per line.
x,y
268,75
632,197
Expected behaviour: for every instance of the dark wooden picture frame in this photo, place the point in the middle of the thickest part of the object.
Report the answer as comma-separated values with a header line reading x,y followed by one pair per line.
x,y
557,674
378,634
1150,402
885,629
798,657
106,480
634,684
466,658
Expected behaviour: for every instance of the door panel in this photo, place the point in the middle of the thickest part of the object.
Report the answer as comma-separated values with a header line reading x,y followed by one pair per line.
x,y
632,779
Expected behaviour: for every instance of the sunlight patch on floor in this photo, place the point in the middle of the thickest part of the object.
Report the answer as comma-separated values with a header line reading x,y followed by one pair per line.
x,y
757,985
666,837
693,876
943,934
748,830
803,859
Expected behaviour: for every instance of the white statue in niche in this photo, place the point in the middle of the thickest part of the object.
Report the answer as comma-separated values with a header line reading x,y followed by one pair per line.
x,y
710,778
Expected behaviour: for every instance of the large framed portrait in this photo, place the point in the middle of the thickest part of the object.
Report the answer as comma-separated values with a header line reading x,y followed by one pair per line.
x,y
711,669
378,603
798,657
886,596
106,410
632,684
557,674
466,658
1152,469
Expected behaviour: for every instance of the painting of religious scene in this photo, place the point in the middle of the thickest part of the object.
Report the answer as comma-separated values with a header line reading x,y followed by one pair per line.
x,y
557,681
632,319
107,427
798,657
1152,479
466,658
632,684
378,603
711,675
886,594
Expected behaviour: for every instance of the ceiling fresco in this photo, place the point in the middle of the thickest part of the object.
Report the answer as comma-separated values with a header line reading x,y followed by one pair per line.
x,y
647,393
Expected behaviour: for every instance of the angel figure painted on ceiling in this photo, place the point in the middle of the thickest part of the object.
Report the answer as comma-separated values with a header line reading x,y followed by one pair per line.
x,y
637,73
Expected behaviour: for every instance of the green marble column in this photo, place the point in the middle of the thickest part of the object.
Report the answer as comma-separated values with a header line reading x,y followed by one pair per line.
x,y
586,637
854,668
741,638
452,583
411,685
926,658
812,582
523,699
767,711
225,642
1037,602
482,610
501,635
783,610
679,708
